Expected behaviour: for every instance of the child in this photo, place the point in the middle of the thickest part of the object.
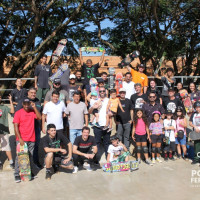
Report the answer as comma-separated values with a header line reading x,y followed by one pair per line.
x,y
181,125
115,151
156,132
140,134
169,140
112,107
195,123
92,98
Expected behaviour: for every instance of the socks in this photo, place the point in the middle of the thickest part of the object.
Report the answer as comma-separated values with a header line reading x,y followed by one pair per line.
x,y
11,162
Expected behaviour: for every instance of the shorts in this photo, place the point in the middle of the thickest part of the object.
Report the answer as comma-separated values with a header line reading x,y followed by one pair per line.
x,y
5,144
181,141
156,139
141,138
170,147
95,111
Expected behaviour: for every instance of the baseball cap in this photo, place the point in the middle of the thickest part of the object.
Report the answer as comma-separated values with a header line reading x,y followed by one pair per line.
x,y
57,80
26,101
171,89
100,80
197,104
141,65
94,94
122,90
72,76
168,112
179,108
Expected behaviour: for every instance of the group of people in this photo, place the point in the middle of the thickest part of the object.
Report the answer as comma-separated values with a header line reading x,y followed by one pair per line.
x,y
153,121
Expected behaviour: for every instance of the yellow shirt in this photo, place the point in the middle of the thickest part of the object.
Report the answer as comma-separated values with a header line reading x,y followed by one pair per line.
x,y
114,104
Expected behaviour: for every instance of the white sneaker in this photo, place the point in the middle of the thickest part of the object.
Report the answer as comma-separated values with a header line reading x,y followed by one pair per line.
x,y
158,160
153,161
87,166
75,170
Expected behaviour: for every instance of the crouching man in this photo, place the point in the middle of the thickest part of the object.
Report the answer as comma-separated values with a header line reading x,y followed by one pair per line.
x,y
84,150
58,151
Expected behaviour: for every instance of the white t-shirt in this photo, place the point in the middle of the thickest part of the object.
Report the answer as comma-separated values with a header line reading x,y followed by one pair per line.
x,y
92,102
170,133
102,112
54,113
196,120
114,152
130,89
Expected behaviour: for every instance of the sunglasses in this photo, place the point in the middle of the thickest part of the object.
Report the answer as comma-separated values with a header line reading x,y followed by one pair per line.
x,y
102,91
56,83
152,97
72,78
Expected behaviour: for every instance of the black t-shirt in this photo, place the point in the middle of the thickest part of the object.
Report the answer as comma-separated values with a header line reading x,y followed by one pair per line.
x,y
84,146
172,104
80,83
72,89
90,72
43,72
17,95
124,117
136,100
158,94
57,142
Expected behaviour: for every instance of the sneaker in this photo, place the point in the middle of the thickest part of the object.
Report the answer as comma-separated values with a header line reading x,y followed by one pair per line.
x,y
105,128
109,130
194,162
97,124
12,166
153,161
17,179
55,169
91,124
87,167
139,161
1,166
33,176
166,157
75,170
48,175
159,160
185,158
148,162
178,156
172,158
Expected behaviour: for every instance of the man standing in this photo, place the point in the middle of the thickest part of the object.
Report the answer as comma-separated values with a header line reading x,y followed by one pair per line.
x,y
65,77
138,99
4,130
56,155
72,86
80,83
128,85
124,119
152,106
77,112
139,76
24,121
42,73
99,132
90,70
104,76
53,113
84,150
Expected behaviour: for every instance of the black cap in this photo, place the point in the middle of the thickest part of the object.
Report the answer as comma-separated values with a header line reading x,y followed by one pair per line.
x,y
26,101
171,89
197,104
168,112
57,80
100,80
170,69
179,108
141,65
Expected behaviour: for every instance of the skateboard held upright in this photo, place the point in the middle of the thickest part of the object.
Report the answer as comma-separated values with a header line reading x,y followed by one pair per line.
x,y
118,82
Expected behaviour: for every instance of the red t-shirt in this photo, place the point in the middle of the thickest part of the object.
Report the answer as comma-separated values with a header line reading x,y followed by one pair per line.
x,y
26,121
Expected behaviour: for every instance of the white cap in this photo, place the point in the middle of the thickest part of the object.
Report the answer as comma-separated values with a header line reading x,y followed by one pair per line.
x,y
72,76
122,90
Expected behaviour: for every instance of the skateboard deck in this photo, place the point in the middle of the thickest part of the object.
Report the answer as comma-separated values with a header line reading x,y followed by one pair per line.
x,y
92,49
61,44
111,80
186,101
126,61
118,82
24,162
121,166
194,135
93,85
159,65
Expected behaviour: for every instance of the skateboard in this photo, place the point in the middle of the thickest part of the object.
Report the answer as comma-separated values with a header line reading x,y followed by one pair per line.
x,y
92,49
24,162
129,58
118,82
61,44
159,65
111,80
194,135
94,85
186,101
121,166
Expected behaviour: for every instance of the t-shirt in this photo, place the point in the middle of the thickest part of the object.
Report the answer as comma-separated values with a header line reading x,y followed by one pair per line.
x,y
56,142
114,104
195,119
172,104
26,122
65,79
63,96
179,126
167,85
140,128
84,146
156,128
80,83
170,133
43,72
90,72
4,110
137,100
17,95
72,89
130,89
138,77
114,152
54,112
76,113
124,117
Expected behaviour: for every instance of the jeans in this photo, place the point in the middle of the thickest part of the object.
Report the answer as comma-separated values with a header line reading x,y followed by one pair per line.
x,y
98,134
73,133
31,146
37,143
123,132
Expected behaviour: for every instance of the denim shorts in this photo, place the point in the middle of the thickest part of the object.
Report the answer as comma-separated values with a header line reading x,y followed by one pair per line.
x,y
181,141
